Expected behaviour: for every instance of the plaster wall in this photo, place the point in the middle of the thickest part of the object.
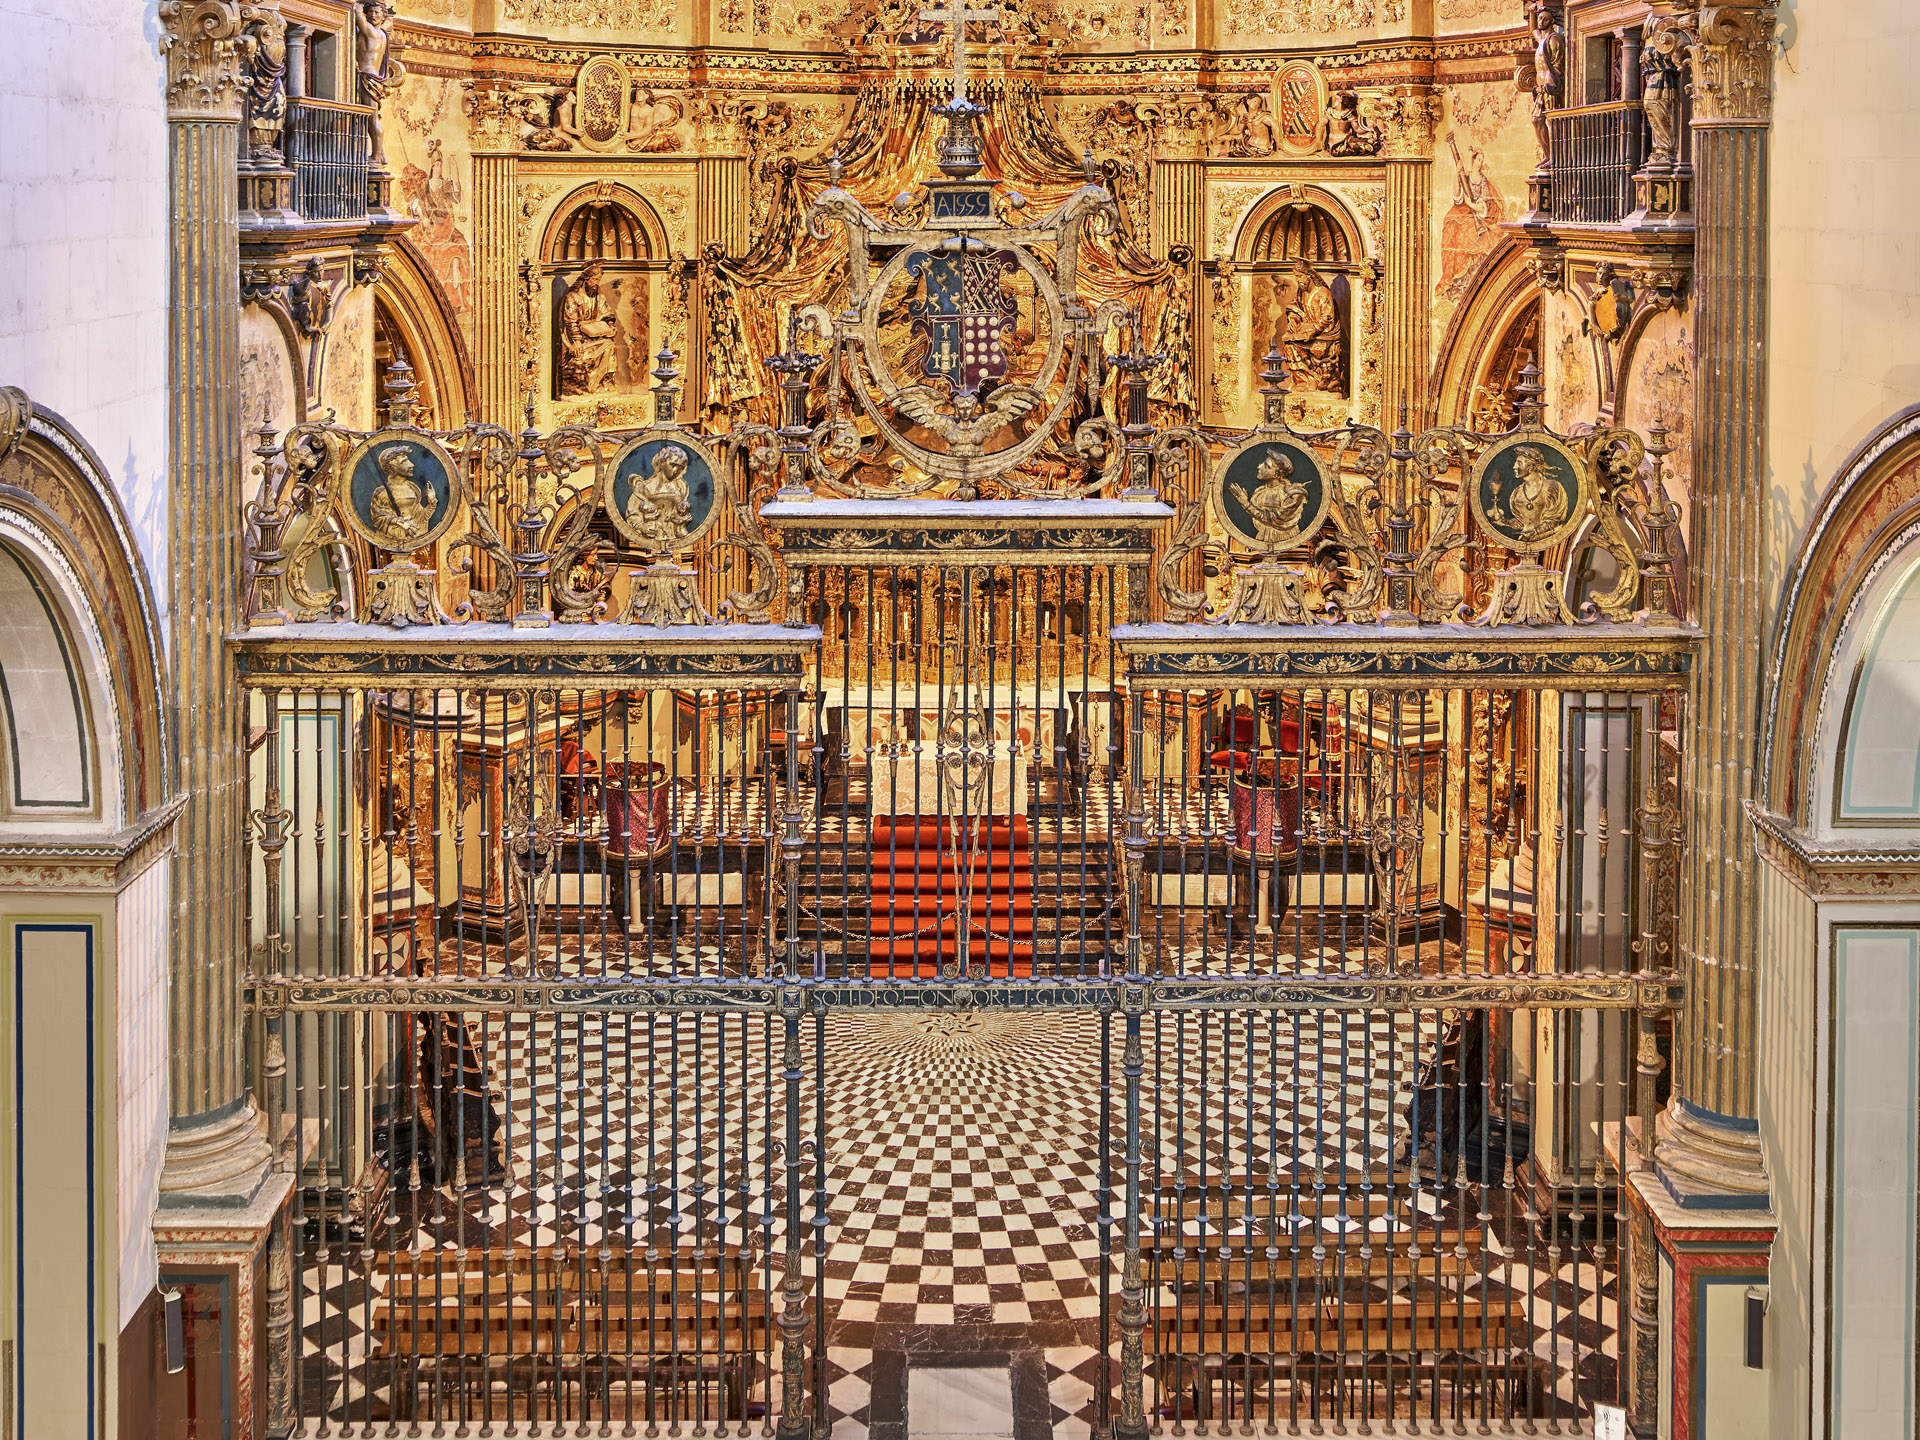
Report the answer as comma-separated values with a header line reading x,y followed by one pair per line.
x,y
1845,291
83,283
1787,1082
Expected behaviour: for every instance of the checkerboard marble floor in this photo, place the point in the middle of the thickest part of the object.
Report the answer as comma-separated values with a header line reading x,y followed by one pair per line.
x,y
965,1160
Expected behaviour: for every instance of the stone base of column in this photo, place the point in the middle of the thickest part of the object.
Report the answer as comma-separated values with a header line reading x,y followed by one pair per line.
x,y
216,1162
217,1259
1710,1162
1687,1264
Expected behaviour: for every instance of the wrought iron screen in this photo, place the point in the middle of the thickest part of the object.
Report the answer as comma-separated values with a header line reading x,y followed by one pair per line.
x,y
1313,1010
327,148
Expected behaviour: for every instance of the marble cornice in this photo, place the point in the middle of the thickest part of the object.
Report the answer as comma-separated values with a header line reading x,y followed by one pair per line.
x,y
87,862
1833,868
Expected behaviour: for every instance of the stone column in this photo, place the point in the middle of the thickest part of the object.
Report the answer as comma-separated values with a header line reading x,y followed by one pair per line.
x,y
217,1153
1406,118
499,307
1708,1153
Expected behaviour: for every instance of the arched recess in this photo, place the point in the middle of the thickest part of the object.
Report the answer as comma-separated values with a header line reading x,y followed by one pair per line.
x,y
1292,224
70,554
1479,351
615,228
1843,591
414,320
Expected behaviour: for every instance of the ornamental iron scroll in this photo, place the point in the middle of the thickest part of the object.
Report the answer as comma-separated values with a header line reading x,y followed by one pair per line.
x,y
405,526
930,374
1451,525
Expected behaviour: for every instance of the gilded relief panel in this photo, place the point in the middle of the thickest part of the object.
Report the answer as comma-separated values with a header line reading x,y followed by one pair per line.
x,y
600,330
1257,20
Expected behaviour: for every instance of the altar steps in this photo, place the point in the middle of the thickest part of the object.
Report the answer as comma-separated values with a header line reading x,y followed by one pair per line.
x,y
916,885
1075,914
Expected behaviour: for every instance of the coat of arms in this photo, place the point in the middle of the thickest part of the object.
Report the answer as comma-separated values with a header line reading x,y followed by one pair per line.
x,y
964,310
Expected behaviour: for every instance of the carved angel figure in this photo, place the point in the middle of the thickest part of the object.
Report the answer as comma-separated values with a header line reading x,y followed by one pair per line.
x,y
967,431
1277,503
1660,99
380,72
263,47
1549,64
403,504
659,504
651,126
1342,129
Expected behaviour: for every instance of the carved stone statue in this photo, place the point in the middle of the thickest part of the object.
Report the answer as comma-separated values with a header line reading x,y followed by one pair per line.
x,y
546,117
402,506
587,334
1537,504
1276,503
379,69
1311,344
1549,71
1343,131
1660,99
263,45
650,128
659,504
310,300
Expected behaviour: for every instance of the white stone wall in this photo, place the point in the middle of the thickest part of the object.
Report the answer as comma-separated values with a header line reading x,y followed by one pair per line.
x,y
83,215
1843,217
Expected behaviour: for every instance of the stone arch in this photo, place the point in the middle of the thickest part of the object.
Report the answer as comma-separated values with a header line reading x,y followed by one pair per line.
x,y
1499,296
84,639
411,306
1857,562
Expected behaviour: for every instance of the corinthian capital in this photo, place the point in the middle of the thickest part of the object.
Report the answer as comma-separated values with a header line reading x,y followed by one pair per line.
x,y
202,42
1728,50
1406,119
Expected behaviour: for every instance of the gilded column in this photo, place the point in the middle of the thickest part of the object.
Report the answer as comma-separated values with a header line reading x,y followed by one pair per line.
x,y
496,244
217,1151
721,198
1708,1154
1406,118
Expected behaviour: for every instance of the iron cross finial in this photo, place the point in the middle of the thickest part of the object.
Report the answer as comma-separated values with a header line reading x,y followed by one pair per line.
x,y
957,14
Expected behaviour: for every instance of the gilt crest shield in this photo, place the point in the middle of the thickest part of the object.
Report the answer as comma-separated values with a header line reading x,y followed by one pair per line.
x,y
965,307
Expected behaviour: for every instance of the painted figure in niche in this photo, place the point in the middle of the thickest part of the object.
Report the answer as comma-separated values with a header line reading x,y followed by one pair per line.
x,y
587,334
1549,65
1310,339
1343,131
263,45
1277,503
659,503
403,504
1537,504
380,73
1660,100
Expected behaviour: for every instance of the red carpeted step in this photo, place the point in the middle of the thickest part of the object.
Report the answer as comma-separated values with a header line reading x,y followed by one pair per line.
x,y
920,866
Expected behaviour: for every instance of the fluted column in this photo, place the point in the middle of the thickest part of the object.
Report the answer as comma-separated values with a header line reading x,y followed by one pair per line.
x,y
1406,120
1709,1151
498,303
217,1152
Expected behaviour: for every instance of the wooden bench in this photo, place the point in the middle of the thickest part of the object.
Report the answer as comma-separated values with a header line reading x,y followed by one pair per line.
x,y
673,1330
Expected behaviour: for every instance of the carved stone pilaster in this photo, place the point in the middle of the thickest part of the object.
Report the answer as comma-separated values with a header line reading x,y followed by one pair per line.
x,y
1709,1151
497,313
1406,118
217,1151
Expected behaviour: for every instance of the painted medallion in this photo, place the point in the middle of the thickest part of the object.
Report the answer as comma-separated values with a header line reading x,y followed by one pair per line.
x,y
1271,492
401,490
1528,492
1299,102
660,491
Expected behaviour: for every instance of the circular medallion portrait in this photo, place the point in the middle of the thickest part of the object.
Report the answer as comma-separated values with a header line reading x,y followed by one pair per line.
x,y
660,491
1527,492
401,490
1271,492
